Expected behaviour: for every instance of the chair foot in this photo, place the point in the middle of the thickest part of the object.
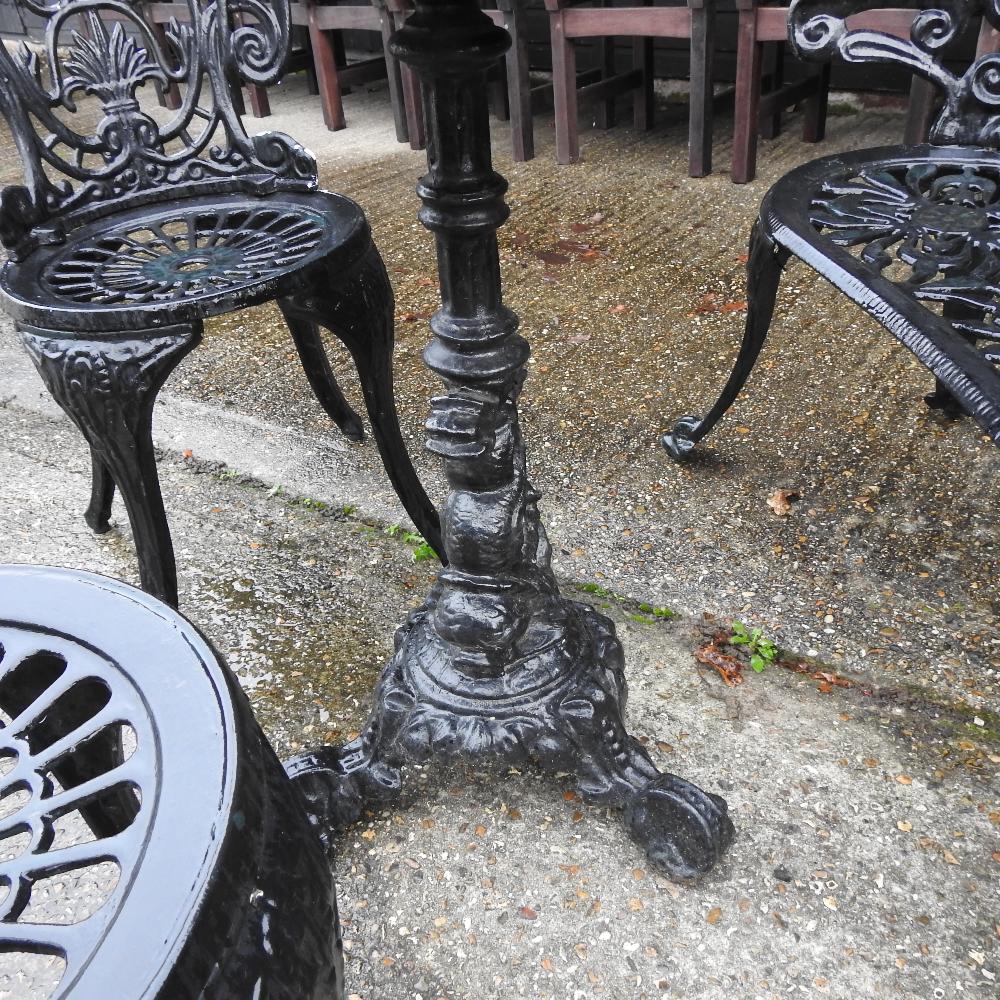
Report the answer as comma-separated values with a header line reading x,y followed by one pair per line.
x,y
679,442
941,399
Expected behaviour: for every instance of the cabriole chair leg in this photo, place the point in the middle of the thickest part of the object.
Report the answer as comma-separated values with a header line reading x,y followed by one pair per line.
x,y
359,310
107,387
764,268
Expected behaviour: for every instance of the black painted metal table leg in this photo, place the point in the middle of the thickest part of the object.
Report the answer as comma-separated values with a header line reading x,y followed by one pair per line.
x,y
496,664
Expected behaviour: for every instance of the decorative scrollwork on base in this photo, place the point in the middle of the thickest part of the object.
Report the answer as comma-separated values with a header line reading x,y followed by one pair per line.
x,y
571,721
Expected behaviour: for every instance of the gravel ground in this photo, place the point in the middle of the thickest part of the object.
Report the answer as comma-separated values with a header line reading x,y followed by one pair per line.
x,y
867,853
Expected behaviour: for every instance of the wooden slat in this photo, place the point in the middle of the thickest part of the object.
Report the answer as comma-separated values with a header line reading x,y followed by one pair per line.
x,y
362,72
786,96
655,22
606,88
347,18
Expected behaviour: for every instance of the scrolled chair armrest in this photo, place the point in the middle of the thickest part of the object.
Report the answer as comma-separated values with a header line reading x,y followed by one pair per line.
x,y
819,30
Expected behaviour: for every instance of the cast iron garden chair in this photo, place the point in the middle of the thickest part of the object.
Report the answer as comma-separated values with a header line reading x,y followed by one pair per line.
x,y
909,233
128,233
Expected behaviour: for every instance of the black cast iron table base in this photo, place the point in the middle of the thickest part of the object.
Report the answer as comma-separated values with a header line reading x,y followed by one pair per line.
x,y
560,709
496,666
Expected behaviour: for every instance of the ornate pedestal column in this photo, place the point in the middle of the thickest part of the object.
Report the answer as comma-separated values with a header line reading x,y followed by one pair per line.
x,y
496,664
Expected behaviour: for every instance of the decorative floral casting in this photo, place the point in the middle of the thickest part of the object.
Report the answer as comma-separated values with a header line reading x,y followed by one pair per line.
x,y
943,222
111,67
112,54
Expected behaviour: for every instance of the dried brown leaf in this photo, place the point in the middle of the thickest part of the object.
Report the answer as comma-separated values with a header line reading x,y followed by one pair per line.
x,y
780,501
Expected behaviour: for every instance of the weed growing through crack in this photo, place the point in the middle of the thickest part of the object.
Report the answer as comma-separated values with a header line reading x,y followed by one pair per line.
x,y
762,651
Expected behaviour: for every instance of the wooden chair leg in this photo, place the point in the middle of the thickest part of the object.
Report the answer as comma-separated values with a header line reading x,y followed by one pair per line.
x,y
325,62
920,111
302,40
522,134
236,96
745,123
260,105
702,103
642,108
814,123
169,96
770,127
604,113
339,55
394,74
564,97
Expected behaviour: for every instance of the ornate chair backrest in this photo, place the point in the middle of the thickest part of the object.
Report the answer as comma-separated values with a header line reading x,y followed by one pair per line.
x,y
88,147
970,116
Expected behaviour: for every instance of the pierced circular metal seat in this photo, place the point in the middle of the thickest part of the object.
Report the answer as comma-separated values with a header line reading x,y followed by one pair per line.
x,y
186,260
151,844
909,233
160,222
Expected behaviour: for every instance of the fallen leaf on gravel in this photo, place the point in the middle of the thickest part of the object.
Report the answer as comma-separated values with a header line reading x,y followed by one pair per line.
x,y
905,826
547,964
728,667
426,282
949,857
904,779
780,501
714,915
731,307
514,814
830,902
527,912
187,453
480,830
368,835
570,796
620,308
571,869
664,747
635,905
552,258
